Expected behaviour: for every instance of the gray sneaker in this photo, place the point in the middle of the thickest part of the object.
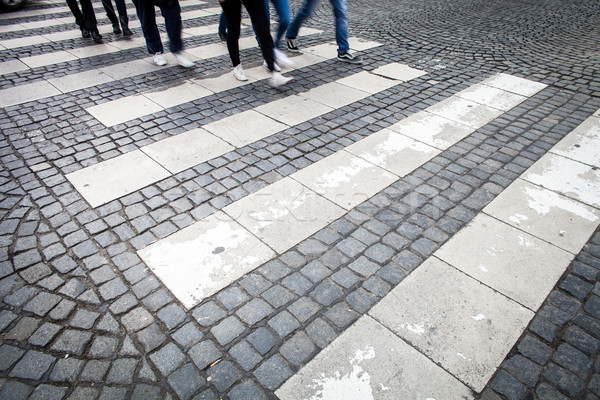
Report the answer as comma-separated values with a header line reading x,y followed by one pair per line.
x,y
291,45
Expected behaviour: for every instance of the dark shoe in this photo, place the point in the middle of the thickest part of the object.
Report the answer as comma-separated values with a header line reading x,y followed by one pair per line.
x,y
223,36
85,33
291,45
349,58
96,36
127,31
116,28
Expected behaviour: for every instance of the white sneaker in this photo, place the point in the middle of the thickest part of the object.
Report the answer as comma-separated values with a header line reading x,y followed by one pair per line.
x,y
275,67
159,59
239,74
277,79
182,60
282,58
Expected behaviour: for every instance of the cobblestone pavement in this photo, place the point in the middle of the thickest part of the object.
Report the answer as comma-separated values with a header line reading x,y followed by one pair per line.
x,y
82,315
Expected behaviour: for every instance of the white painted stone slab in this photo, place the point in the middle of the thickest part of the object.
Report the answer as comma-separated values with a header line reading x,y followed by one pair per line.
x,y
117,177
28,92
293,110
178,95
81,80
195,14
358,44
128,69
582,144
202,30
571,178
48,59
559,220
307,59
325,50
8,67
399,72
309,31
436,131
249,42
345,179
491,96
465,111
244,128
221,83
62,35
92,51
394,152
186,150
124,109
284,213
203,258
597,113
41,24
514,84
369,362
460,324
335,95
24,41
208,51
368,82
518,265
132,43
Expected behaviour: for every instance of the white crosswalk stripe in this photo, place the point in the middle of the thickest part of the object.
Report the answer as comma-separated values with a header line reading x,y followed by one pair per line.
x,y
485,285
287,212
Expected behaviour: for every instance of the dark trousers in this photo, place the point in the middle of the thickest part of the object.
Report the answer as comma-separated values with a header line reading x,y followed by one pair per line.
x,y
89,16
121,9
147,16
76,13
260,23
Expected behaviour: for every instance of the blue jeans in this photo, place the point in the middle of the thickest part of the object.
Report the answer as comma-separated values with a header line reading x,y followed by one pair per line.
x,y
341,22
147,16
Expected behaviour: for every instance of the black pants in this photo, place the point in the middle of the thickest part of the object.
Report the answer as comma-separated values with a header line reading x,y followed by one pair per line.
x,y
260,23
121,9
147,15
76,13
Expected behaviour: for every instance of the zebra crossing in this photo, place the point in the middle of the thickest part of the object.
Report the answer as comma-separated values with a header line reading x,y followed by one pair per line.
x,y
445,329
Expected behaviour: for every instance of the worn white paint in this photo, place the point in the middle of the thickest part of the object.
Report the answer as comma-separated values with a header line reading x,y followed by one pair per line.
x,y
205,257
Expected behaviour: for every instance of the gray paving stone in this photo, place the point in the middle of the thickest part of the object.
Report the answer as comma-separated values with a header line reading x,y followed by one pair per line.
x,y
563,379
42,303
262,340
171,315
273,372
297,283
326,293
254,311
84,319
572,359
508,386
274,270
351,247
72,341
94,371
304,308
151,337
186,381
122,371
254,284
137,319
188,335
535,350
246,390
320,332
32,365
576,337
204,353
315,271
277,296
103,347
297,349
525,370
48,392
223,375
208,313
66,370
232,297
123,304
245,355
9,355
13,390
